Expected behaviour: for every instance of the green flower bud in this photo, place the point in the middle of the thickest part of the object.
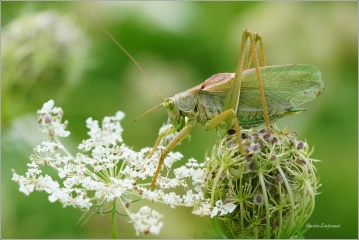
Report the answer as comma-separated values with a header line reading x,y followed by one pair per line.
x,y
273,184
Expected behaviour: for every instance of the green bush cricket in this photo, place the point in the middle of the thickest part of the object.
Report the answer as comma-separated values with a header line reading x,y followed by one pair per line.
x,y
246,98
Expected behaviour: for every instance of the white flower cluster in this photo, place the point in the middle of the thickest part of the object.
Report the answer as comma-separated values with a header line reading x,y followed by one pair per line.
x,y
146,221
108,171
49,120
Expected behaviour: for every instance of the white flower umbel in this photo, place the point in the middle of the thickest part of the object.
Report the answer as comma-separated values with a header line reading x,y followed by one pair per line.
x,y
107,176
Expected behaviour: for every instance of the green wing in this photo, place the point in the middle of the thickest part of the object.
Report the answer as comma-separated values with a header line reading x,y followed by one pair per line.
x,y
285,86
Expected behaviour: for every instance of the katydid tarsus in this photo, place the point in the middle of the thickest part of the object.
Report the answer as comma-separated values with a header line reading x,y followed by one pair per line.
x,y
246,98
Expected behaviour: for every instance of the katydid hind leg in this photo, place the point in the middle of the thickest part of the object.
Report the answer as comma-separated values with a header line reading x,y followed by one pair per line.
x,y
261,50
257,38
259,76
232,98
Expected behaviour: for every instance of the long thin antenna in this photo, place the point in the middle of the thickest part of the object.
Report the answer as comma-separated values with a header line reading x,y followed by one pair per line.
x,y
143,114
127,53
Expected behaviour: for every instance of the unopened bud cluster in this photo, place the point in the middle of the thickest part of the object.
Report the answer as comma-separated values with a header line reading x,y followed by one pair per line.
x,y
272,184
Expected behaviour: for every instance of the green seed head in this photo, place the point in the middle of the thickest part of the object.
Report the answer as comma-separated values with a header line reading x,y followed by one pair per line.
x,y
273,184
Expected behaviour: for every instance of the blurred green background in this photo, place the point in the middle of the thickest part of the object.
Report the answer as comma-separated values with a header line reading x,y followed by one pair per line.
x,y
55,50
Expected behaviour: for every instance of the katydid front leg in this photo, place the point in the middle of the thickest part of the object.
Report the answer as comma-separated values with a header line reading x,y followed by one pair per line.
x,y
159,139
179,137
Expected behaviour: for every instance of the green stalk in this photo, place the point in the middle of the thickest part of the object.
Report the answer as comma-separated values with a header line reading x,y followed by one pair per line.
x,y
291,198
241,205
280,211
266,204
215,182
113,220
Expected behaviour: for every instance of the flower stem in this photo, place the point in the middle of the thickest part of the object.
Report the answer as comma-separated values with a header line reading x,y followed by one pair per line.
x,y
57,140
113,220
215,182
291,223
266,204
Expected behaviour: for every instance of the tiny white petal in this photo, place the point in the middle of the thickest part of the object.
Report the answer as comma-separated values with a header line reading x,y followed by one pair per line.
x,y
47,106
120,115
204,209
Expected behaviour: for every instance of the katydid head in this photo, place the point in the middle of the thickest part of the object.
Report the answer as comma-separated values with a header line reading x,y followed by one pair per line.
x,y
174,113
180,106
177,119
